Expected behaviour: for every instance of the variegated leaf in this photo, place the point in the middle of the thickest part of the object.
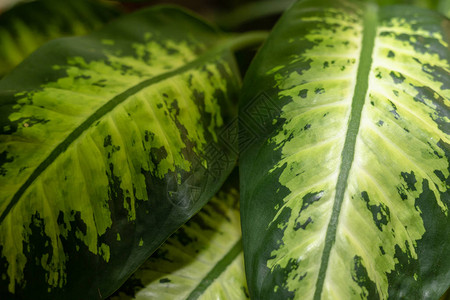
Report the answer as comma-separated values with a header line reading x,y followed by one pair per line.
x,y
202,260
109,143
345,190
27,26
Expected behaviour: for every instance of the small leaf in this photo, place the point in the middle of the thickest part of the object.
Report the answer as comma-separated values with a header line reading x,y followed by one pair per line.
x,y
202,260
27,26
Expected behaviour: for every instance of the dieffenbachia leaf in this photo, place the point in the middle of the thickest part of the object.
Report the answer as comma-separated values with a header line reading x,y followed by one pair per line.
x,y
27,26
202,260
108,144
345,164
444,7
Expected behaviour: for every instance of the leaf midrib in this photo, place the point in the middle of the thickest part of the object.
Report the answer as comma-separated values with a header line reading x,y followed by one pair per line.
x,y
231,43
216,271
348,151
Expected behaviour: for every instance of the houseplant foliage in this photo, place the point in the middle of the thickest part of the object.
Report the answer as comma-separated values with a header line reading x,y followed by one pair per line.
x,y
94,175
355,155
112,141
202,260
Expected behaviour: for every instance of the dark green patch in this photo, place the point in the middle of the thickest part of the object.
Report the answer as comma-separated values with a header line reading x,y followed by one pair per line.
x,y
157,155
380,213
162,254
4,159
107,141
326,65
307,126
391,54
148,135
298,225
277,287
432,264
440,115
36,245
197,219
319,90
393,111
401,192
302,276
434,151
309,199
438,74
397,78
303,93
115,192
410,180
181,236
402,284
100,83
164,280
85,77
218,210
361,277
31,121
380,123
440,175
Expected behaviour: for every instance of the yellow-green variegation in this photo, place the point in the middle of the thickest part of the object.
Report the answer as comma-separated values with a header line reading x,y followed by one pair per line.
x,y
202,260
345,188
109,143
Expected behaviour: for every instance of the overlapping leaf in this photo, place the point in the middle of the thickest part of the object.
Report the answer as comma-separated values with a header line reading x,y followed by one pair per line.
x,y
345,188
108,143
202,260
27,26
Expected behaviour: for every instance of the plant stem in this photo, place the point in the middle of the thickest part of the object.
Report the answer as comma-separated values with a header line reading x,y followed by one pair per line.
x,y
246,40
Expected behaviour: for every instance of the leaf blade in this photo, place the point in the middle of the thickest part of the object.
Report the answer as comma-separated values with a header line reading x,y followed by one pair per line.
x,y
302,152
38,22
127,143
203,260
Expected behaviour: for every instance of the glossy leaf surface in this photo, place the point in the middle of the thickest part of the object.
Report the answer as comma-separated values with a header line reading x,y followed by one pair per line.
x,y
345,184
106,148
202,260
27,26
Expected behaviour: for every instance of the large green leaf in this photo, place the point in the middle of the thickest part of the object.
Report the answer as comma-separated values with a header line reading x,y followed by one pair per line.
x,y
345,175
444,7
27,26
109,143
202,260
